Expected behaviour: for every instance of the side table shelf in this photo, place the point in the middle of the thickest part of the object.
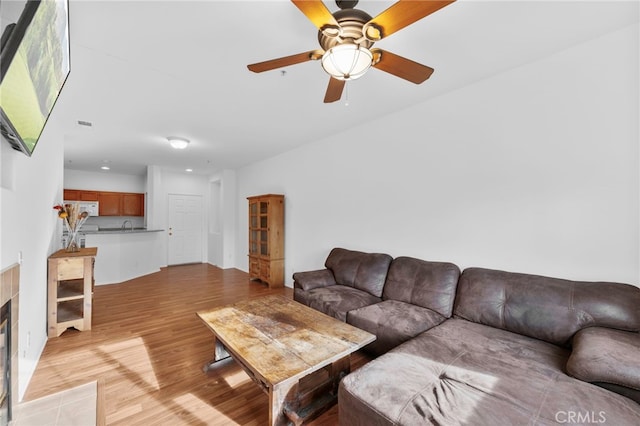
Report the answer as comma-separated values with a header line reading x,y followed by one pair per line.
x,y
70,290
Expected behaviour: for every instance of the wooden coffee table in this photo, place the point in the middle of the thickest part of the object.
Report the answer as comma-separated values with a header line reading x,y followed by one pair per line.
x,y
296,354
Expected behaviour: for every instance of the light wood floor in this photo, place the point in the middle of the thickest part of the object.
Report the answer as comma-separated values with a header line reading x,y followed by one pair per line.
x,y
148,348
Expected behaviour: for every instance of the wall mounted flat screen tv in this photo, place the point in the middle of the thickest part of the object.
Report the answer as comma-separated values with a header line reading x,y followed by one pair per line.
x,y
34,65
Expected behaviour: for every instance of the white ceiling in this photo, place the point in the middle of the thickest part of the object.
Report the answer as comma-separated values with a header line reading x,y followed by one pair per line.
x,y
144,70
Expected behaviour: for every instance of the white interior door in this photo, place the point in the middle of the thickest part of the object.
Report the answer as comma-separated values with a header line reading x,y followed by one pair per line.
x,y
185,229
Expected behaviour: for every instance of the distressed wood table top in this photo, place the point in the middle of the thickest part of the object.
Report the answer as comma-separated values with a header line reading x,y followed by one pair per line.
x,y
280,339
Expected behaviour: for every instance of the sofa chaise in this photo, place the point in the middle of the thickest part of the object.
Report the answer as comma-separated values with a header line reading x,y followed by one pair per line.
x,y
482,347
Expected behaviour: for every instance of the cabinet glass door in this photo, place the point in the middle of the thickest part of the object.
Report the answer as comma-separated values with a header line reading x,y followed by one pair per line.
x,y
254,233
264,243
253,241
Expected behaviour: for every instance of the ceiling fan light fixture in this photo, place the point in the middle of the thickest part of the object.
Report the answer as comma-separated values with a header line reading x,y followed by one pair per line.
x,y
347,61
177,142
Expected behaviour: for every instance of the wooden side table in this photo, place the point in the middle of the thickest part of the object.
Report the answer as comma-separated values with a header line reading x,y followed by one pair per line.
x,y
70,290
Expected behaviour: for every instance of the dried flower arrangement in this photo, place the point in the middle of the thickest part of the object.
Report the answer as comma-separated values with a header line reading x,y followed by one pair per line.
x,y
72,218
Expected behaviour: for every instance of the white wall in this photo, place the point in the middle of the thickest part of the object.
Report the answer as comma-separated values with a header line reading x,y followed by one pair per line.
x,y
154,198
534,170
103,181
215,240
30,227
222,219
125,256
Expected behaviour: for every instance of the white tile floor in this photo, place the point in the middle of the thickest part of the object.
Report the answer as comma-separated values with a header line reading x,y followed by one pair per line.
x,y
73,407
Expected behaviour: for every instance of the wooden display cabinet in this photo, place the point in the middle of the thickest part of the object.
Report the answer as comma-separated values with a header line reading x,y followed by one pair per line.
x,y
70,290
266,239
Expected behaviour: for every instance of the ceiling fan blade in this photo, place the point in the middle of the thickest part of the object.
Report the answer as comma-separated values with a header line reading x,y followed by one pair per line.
x,y
401,67
285,61
401,14
334,90
317,13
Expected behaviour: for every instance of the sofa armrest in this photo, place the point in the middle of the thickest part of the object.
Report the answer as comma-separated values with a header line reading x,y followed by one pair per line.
x,y
606,356
313,279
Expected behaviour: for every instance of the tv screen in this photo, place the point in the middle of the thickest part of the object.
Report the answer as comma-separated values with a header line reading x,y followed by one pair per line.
x,y
34,64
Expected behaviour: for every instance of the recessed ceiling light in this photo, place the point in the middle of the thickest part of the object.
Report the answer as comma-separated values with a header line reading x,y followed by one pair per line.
x,y
177,142
188,170
105,168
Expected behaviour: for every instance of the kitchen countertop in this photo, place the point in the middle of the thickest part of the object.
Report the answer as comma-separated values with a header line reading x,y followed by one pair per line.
x,y
118,231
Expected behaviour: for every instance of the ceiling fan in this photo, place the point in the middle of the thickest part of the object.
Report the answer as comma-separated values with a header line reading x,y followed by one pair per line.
x,y
346,38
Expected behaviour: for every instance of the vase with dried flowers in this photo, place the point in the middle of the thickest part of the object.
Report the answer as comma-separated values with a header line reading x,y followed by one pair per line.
x,y
72,218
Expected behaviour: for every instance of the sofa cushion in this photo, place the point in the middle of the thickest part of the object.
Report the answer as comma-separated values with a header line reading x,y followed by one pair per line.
x,y
364,271
419,282
337,300
301,296
308,280
461,372
609,358
550,309
393,322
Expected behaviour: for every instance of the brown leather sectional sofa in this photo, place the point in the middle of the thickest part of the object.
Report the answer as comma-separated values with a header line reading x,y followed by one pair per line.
x,y
481,347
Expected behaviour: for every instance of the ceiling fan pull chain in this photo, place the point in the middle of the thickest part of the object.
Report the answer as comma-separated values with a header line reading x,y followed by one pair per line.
x,y
346,93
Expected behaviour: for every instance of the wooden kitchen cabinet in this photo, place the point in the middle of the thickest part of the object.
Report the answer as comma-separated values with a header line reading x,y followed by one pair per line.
x,y
121,204
70,290
80,195
110,203
71,195
132,204
266,239
88,195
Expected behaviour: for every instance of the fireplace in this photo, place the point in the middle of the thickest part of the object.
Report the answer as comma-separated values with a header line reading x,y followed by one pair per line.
x,y
9,300
5,363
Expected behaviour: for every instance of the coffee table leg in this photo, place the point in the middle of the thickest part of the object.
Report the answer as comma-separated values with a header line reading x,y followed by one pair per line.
x,y
299,401
277,397
220,353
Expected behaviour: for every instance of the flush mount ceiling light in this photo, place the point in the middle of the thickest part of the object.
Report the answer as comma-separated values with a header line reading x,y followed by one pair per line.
x,y
177,142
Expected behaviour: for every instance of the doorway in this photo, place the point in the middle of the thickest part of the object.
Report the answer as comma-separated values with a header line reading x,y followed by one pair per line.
x,y
185,229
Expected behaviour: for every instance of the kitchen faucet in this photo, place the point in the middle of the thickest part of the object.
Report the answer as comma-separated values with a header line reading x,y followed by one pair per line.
x,y
124,225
